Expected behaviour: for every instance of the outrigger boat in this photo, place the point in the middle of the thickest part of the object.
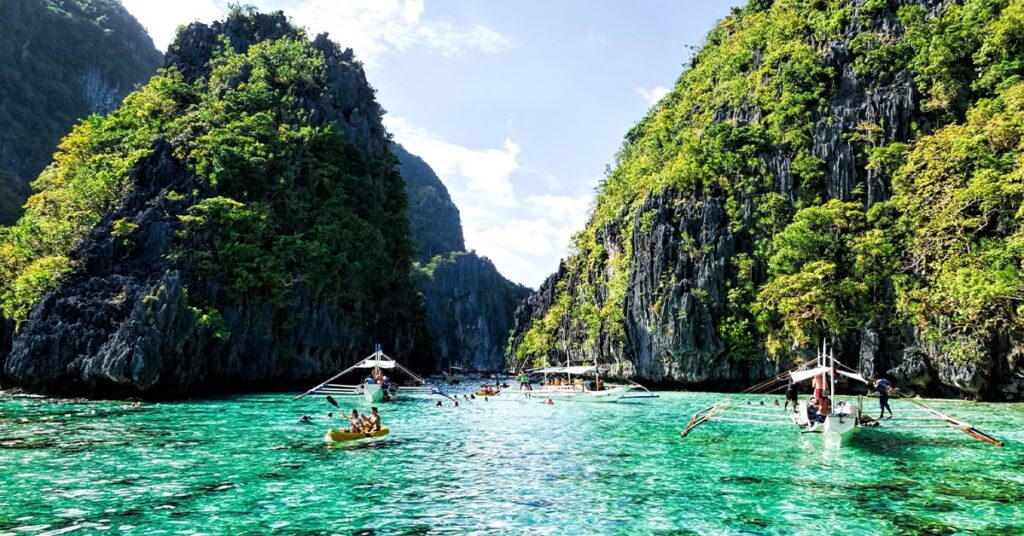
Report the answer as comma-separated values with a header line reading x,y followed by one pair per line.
x,y
584,389
372,392
454,375
837,428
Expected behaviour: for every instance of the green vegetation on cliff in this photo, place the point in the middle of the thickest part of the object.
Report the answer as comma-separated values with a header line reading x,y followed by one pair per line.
x,y
60,60
285,203
936,243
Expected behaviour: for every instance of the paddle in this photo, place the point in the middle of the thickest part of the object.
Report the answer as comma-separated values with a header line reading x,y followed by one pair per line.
x,y
334,403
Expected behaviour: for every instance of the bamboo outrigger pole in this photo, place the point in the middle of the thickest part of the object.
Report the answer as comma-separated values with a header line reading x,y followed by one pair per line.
x,y
964,427
329,380
766,383
704,415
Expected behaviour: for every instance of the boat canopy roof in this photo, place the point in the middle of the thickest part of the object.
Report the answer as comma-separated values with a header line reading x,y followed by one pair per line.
x,y
378,359
580,369
801,375
852,375
374,361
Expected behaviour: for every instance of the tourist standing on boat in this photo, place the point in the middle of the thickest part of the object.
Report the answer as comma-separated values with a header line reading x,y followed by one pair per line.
x,y
883,386
824,407
819,387
524,381
791,395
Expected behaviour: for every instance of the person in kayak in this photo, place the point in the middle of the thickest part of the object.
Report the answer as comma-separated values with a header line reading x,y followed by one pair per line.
x,y
372,423
882,385
355,423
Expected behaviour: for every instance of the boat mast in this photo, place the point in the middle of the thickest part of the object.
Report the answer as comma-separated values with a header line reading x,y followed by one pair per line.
x,y
832,374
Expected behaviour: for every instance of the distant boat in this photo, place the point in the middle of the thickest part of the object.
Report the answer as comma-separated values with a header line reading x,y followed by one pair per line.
x,y
372,392
454,375
583,388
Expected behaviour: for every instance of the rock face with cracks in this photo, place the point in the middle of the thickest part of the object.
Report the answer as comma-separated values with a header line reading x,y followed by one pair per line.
x,y
60,60
159,301
469,304
659,273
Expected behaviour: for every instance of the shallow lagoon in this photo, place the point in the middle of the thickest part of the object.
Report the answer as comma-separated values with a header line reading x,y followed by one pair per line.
x,y
245,464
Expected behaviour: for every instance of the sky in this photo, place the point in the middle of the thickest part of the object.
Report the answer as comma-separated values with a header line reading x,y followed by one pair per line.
x,y
517,105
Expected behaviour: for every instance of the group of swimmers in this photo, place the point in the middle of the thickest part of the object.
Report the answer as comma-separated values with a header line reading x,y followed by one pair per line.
x,y
455,401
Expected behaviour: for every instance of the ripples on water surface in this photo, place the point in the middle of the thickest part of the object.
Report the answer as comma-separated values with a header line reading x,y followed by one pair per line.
x,y
245,464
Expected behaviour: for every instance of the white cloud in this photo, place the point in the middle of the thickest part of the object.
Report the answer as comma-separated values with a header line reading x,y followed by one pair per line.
x,y
595,40
525,235
412,10
370,27
375,27
484,176
572,209
161,19
652,96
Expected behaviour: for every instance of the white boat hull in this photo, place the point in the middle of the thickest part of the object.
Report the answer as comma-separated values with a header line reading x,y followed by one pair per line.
x,y
373,392
839,429
568,394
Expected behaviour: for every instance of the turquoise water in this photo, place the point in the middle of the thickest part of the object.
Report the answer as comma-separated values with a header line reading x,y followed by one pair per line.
x,y
245,465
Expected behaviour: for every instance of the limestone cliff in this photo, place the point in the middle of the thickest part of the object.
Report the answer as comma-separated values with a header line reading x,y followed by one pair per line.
x,y
60,60
470,308
769,201
256,237
469,304
433,217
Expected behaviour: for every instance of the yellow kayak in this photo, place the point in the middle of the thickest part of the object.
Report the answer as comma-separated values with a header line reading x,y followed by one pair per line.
x,y
484,393
341,435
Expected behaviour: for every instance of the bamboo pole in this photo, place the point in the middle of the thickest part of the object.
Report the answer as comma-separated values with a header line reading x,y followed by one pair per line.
x,y
703,416
964,426
755,414
753,421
